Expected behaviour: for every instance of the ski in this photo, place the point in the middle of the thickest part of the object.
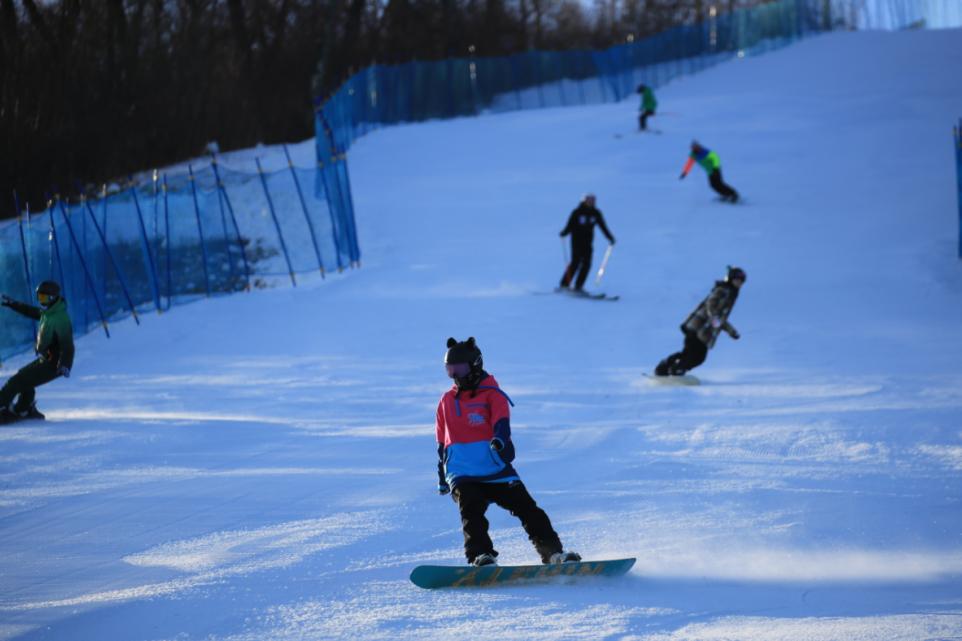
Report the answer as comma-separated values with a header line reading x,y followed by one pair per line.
x,y
659,381
574,294
639,131
741,201
431,577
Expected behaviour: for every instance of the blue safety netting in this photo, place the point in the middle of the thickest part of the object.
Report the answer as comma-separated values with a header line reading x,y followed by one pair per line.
x,y
383,95
210,232
391,94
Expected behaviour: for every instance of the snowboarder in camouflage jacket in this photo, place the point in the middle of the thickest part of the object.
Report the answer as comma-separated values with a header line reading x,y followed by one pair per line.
x,y
704,324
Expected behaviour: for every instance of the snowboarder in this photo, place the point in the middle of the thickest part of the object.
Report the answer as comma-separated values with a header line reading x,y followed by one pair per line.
x,y
581,226
648,106
54,345
703,325
474,459
708,159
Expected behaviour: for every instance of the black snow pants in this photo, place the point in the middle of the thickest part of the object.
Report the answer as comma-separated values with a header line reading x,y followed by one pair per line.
x,y
473,499
690,357
716,182
643,119
579,266
25,382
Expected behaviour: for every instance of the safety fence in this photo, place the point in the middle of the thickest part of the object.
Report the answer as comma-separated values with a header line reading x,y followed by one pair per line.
x,y
383,95
149,247
957,134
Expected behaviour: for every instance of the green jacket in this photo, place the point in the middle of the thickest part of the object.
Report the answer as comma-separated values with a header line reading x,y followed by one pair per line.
x,y
707,158
55,337
648,102
709,161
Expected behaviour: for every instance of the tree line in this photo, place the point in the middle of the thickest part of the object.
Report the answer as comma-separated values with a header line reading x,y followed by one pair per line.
x,y
93,89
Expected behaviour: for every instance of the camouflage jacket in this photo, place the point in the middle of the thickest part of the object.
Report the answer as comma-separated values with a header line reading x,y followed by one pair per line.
x,y
719,303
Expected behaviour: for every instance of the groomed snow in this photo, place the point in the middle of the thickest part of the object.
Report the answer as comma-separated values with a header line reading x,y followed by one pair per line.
x,y
262,466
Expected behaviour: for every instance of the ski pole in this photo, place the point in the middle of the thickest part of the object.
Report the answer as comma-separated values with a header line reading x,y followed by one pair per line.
x,y
601,271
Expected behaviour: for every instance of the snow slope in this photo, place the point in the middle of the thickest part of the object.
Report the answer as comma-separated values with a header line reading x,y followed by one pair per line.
x,y
263,466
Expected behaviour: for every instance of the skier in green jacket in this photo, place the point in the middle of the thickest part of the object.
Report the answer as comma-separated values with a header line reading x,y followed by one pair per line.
x,y
648,105
54,345
708,160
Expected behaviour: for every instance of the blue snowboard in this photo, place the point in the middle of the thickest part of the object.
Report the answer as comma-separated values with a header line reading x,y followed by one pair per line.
x,y
447,576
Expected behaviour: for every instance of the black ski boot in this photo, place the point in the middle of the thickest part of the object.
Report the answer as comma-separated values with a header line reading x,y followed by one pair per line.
x,y
7,417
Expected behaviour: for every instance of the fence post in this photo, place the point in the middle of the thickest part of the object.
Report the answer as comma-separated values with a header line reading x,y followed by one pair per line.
x,y
200,229
280,236
556,56
170,292
957,134
517,80
156,228
103,194
110,256
83,264
322,173
154,287
536,55
348,205
222,193
307,216
23,245
56,243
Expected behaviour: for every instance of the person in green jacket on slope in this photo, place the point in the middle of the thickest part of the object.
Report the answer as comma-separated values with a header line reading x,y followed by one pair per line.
x,y
708,159
54,345
648,105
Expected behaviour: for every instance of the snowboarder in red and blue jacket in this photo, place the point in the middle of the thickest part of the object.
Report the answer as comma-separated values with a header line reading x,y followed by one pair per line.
x,y
475,452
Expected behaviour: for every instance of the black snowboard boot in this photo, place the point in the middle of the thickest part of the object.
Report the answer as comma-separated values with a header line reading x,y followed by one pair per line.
x,y
6,416
483,559
661,369
31,413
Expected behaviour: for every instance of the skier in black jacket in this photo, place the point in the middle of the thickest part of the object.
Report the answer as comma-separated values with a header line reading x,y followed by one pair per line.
x,y
581,226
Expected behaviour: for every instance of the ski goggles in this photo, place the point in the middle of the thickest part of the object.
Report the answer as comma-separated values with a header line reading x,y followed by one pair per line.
x,y
44,299
457,370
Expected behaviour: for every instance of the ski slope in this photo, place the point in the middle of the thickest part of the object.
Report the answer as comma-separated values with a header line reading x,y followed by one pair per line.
x,y
263,466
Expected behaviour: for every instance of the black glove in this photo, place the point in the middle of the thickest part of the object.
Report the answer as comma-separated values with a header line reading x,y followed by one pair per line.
x,y
682,177
443,489
64,370
497,444
7,301
562,234
736,335
612,241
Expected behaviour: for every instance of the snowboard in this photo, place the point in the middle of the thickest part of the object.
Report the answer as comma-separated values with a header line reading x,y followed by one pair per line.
x,y
448,576
658,381
9,418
